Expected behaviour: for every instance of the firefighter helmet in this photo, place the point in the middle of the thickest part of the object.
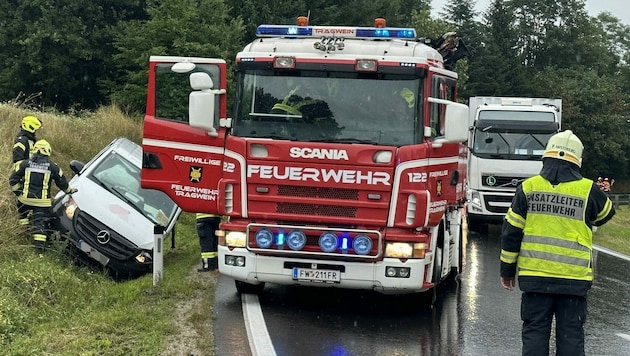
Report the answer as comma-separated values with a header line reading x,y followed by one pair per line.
x,y
565,146
42,147
408,96
31,124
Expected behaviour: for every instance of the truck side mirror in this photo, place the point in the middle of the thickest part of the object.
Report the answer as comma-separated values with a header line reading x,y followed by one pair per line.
x,y
455,122
201,102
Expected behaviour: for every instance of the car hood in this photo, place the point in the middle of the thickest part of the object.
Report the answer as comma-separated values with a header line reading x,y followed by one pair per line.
x,y
117,214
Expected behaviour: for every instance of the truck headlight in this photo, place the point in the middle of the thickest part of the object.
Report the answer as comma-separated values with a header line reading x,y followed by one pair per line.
x,y
406,249
235,239
475,199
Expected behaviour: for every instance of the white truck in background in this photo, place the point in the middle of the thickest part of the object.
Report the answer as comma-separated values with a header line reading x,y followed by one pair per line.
x,y
507,137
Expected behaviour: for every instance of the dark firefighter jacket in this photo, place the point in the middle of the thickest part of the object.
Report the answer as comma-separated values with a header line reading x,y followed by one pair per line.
x,y
32,178
22,146
598,211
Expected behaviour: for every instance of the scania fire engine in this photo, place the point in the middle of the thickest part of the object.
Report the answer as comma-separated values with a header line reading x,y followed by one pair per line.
x,y
343,164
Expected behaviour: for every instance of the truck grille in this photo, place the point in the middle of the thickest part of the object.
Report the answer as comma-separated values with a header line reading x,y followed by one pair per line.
x,y
501,182
314,192
317,209
87,227
497,199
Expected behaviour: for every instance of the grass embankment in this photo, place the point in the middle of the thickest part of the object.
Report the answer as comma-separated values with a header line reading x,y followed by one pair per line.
x,y
615,234
48,306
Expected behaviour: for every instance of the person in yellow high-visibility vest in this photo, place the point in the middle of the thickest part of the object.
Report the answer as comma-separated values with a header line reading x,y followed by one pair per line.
x,y
32,181
207,225
547,240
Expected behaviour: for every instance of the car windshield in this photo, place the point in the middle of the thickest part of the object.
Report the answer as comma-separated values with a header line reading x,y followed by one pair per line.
x,y
122,178
328,107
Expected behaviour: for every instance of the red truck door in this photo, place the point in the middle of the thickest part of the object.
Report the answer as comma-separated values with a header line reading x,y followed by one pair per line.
x,y
182,144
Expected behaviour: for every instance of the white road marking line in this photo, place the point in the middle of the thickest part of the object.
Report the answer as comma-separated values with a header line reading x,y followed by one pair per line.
x,y
623,336
257,334
611,252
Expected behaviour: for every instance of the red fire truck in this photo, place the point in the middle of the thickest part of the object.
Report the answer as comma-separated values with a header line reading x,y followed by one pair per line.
x,y
342,164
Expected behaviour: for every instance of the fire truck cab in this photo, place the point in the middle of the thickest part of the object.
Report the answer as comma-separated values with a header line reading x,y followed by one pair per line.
x,y
343,164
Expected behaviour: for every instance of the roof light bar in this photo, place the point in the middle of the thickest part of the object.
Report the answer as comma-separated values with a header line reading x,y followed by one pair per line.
x,y
335,31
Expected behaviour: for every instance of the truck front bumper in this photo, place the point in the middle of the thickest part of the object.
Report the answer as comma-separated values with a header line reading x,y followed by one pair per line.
x,y
352,274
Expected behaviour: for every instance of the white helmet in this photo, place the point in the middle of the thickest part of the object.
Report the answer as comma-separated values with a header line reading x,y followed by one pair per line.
x,y
566,146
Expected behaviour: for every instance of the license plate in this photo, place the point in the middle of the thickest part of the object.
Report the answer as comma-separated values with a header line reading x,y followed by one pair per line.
x,y
92,252
316,275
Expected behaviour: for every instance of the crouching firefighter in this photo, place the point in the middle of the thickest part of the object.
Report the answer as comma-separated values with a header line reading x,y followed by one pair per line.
x,y
31,182
207,225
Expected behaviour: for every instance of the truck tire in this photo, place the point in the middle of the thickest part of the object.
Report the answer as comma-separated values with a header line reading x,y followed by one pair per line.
x,y
455,271
248,288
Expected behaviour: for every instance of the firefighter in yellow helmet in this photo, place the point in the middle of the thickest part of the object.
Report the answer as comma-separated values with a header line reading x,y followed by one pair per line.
x,y
402,105
22,146
31,181
207,225
25,138
547,241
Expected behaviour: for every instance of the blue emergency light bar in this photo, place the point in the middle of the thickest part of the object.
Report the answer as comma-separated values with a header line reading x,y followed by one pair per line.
x,y
335,31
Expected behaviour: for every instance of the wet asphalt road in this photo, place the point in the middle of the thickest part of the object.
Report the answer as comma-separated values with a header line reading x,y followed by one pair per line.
x,y
473,316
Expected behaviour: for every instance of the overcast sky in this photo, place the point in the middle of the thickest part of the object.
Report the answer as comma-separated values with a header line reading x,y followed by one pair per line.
x,y
618,8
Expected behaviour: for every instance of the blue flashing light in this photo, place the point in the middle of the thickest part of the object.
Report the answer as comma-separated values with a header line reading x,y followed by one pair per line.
x,y
344,243
280,238
283,31
335,31
400,33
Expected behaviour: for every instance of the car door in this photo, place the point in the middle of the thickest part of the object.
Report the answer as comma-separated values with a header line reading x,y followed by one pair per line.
x,y
184,161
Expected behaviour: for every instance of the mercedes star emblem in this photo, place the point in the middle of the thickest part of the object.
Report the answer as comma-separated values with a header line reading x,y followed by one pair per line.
x,y
103,237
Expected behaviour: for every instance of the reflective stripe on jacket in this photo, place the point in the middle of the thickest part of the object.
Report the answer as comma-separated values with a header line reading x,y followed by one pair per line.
x,y
200,216
32,180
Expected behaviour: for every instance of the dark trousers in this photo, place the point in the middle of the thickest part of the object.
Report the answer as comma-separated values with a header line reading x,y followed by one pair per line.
x,y
208,241
537,313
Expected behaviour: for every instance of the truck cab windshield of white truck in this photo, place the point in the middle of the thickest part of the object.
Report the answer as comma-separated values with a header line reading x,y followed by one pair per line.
x,y
495,136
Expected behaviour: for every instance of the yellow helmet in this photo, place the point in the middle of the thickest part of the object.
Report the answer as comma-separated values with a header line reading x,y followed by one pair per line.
x,y
408,95
42,147
566,146
31,124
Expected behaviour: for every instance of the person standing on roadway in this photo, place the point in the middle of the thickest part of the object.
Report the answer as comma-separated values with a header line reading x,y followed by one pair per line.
x,y
547,238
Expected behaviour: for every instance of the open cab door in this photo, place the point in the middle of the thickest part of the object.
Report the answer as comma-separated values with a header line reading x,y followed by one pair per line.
x,y
183,143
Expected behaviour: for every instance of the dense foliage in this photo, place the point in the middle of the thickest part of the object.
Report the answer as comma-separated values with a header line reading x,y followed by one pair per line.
x,y
82,54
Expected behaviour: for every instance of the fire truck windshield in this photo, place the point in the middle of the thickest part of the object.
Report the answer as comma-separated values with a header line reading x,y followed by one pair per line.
x,y
328,107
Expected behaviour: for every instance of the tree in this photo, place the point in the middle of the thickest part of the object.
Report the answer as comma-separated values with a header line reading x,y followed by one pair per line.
x,y
495,69
59,48
200,28
593,107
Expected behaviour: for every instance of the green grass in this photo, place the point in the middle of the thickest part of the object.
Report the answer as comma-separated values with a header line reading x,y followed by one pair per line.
x,y
49,306
615,234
